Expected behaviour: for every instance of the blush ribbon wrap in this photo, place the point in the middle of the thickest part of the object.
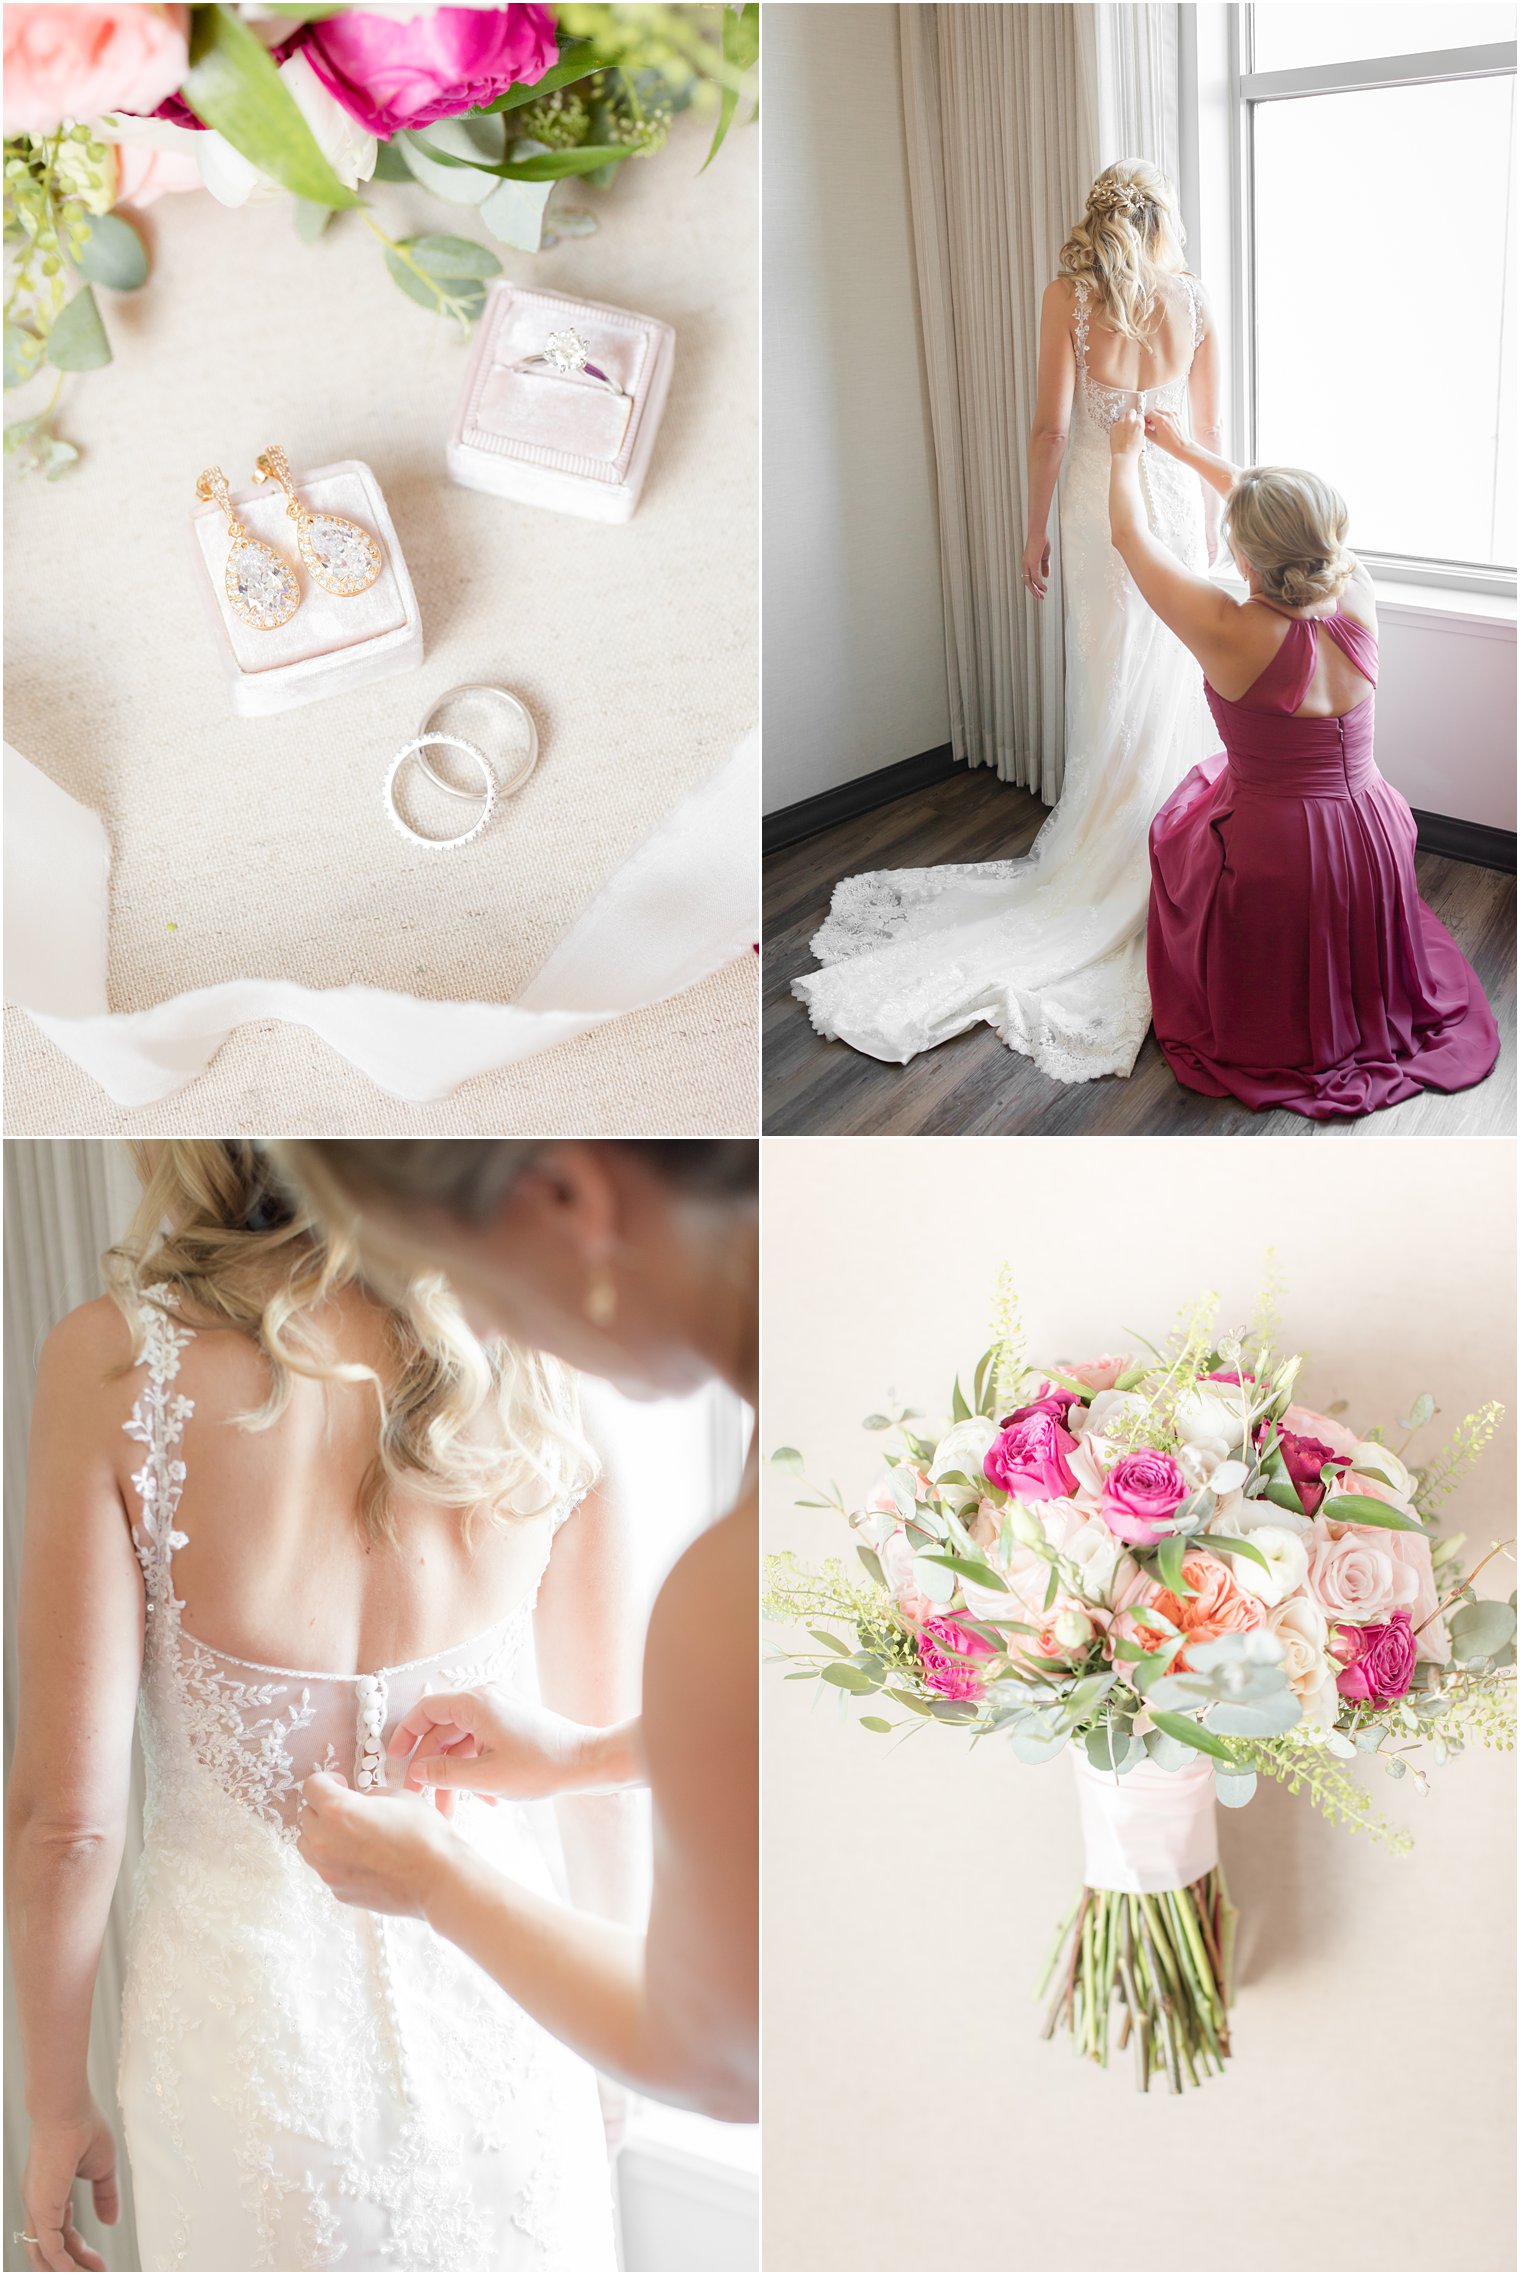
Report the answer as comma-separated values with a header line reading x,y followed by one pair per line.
x,y
1152,1830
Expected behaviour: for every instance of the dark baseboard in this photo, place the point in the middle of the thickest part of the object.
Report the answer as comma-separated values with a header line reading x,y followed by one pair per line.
x,y
1476,842
791,824
1466,841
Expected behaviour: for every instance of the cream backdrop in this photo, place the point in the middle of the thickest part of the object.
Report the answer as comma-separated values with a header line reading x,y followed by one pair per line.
x,y
913,2119
260,847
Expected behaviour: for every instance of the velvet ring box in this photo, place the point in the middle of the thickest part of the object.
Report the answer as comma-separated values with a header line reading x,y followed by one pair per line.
x,y
559,439
330,644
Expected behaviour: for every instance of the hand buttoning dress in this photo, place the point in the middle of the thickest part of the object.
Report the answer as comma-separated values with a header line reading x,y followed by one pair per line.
x,y
305,2085
1049,950
1292,961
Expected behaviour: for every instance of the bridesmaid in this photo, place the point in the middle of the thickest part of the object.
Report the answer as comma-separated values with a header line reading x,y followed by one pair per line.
x,y
1292,962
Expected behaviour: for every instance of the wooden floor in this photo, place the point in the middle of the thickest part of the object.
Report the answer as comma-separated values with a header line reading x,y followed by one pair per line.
x,y
975,1084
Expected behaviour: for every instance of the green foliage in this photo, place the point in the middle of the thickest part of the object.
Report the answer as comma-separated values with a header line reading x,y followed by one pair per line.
x,y
1304,1768
1446,1469
234,85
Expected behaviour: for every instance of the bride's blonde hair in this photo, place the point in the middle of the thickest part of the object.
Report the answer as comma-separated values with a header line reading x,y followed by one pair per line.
x,y
489,1428
1128,240
1291,527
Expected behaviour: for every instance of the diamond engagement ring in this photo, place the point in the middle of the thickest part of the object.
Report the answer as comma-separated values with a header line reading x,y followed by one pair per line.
x,y
567,356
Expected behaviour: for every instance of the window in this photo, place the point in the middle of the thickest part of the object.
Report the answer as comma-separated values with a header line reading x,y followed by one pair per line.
x,y
1377,315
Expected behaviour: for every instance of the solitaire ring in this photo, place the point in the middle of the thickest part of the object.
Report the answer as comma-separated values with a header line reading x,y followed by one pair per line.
x,y
519,717
566,354
486,793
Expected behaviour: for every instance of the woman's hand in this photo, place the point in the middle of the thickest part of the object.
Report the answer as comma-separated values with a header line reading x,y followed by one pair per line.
x,y
489,1741
383,1851
1035,568
57,2156
1126,435
1162,428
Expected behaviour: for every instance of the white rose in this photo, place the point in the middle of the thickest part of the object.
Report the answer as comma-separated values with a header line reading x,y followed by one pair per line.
x,y
1250,1516
1301,1628
964,1447
348,149
1097,1556
1287,1559
1211,1415
1108,1407
1384,1463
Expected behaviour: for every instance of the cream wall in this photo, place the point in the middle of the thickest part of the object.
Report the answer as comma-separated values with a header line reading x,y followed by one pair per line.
x,y
913,2119
854,619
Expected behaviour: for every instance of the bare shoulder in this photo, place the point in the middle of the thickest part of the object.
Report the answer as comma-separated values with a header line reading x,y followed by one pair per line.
x,y
1060,296
702,1641
87,1349
86,1386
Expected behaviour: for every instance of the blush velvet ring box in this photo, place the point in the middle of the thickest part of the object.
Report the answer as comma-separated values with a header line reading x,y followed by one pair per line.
x,y
561,439
332,643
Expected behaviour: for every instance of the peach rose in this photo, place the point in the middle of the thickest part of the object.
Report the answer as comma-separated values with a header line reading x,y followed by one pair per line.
x,y
75,62
1216,1607
1098,1374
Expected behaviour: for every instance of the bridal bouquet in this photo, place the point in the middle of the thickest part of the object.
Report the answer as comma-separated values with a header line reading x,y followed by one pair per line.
x,y
109,107
1166,1564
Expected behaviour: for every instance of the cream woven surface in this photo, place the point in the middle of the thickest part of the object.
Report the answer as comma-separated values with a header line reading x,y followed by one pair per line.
x,y
260,846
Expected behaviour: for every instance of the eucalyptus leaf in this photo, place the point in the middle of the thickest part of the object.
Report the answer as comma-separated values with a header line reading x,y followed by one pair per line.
x,y
933,1580
1166,1752
1419,1413
1255,1718
872,1563
234,86
877,1422
77,341
543,166
1033,1751
311,220
468,144
113,253
831,1642
1478,1630
845,1677
788,1458
1234,1789
23,355
391,165
875,1722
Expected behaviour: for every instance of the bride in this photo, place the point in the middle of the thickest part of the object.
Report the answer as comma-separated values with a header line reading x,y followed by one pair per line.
x,y
271,1509
1049,950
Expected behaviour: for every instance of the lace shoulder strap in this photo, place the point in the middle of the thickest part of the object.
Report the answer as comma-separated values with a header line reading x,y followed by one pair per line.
x,y
1195,306
1083,312
158,1421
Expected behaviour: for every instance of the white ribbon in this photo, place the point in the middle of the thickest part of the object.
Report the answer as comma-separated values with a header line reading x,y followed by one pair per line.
x,y
682,906
1152,1830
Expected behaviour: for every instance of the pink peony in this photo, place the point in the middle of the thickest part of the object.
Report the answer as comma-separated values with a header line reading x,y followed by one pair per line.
x,y
1305,1423
1139,1493
1304,1458
1028,1455
951,1676
1379,1660
391,73
1098,1374
75,62
1216,1607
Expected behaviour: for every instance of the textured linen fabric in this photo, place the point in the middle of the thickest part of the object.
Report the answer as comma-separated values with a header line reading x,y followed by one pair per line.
x,y
260,846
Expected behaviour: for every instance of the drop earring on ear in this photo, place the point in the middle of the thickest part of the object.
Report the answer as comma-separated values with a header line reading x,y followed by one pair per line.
x,y
601,1298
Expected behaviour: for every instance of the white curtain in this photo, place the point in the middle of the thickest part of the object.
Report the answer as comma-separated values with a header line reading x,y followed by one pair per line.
x,y
1010,112
66,1200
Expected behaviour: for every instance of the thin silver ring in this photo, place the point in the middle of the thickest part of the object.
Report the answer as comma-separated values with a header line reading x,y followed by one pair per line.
x,y
414,749
515,704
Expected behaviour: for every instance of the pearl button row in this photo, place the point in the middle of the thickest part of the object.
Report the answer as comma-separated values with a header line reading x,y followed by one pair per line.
x,y
369,1756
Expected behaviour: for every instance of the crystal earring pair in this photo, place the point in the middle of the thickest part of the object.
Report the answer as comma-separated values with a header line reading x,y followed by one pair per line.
x,y
262,587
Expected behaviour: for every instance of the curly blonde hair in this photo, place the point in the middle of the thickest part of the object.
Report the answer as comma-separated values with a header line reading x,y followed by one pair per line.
x,y
217,1226
1128,240
1291,527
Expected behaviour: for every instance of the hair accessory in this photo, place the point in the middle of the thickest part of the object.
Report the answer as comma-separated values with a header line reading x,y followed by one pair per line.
x,y
1113,197
519,719
343,558
566,354
261,584
601,1298
487,793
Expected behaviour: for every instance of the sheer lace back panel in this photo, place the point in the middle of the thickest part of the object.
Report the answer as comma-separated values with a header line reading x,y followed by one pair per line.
x,y
1102,403
260,1731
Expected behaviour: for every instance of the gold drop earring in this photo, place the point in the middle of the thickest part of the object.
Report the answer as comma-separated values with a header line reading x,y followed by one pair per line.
x,y
343,558
601,1298
262,588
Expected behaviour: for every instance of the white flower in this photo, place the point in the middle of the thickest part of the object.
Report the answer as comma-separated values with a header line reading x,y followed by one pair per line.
x,y
1287,1560
1301,1628
1109,1407
1249,1517
1211,1415
1383,1462
348,149
963,1447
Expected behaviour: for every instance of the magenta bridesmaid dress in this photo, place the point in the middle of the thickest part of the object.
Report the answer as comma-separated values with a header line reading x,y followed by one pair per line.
x,y
1292,962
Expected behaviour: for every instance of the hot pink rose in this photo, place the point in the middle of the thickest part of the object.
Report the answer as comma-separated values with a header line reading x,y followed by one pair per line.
x,y
75,62
1098,1374
944,1649
1049,1401
1305,1423
1216,1606
1028,1455
1139,1493
390,73
1304,1458
1379,1660
1410,1551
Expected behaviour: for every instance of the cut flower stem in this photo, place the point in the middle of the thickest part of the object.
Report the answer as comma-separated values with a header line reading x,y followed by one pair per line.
x,y
1167,1959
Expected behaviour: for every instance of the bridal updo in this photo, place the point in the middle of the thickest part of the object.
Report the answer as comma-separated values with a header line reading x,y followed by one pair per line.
x,y
1128,240
1291,527
486,1427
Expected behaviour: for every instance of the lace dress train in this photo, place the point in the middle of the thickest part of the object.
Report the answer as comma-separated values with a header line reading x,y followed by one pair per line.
x,y
1049,949
304,2085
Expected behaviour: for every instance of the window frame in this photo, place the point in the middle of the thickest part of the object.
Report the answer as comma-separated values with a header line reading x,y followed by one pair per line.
x,y
1247,89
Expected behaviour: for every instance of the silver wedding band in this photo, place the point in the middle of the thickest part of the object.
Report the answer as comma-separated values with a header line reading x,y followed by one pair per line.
x,y
437,738
519,714
485,797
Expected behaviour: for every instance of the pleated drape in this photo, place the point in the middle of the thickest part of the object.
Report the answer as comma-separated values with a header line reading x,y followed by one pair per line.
x,y
66,1200
1010,111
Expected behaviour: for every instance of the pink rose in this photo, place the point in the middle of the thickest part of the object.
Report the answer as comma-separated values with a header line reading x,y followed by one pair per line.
x,y
944,1650
1049,1401
1411,1550
896,1558
1139,1493
1305,1423
1355,1575
1304,1458
1028,1455
1381,1660
1216,1606
1098,1374
75,62
390,73
143,175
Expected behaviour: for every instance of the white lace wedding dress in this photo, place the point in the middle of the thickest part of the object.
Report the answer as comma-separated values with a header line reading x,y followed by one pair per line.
x,y
304,2085
1049,950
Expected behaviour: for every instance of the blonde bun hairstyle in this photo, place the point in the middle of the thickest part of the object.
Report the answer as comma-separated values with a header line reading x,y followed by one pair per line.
x,y
1130,238
1291,528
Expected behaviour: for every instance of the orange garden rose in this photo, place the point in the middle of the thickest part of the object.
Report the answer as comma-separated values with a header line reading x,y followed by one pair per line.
x,y
1216,1607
